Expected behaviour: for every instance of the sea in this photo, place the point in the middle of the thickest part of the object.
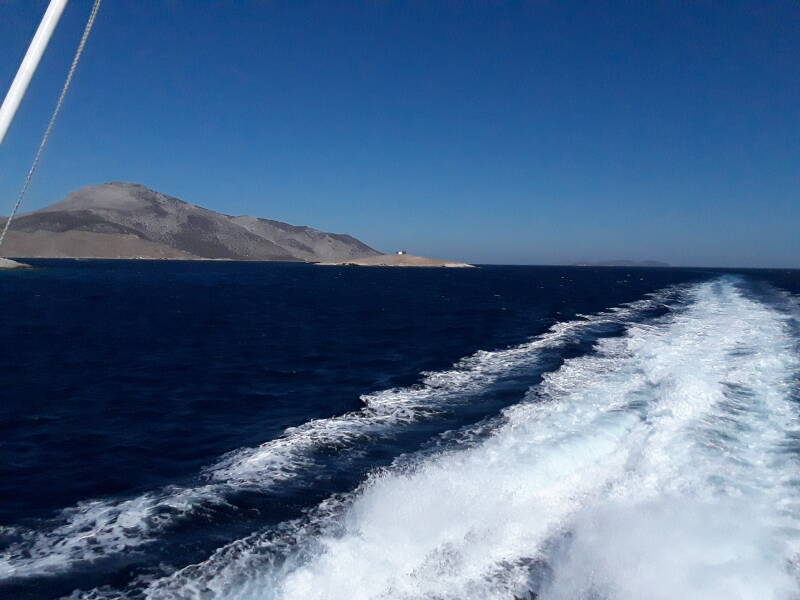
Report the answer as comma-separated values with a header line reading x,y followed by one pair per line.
x,y
279,431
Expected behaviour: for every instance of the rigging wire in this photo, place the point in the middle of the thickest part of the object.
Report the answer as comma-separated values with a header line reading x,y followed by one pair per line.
x,y
53,118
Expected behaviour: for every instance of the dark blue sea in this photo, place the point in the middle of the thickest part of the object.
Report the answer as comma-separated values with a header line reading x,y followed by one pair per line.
x,y
222,430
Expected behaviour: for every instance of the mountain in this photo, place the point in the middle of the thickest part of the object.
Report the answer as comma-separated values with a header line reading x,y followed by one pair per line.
x,y
128,220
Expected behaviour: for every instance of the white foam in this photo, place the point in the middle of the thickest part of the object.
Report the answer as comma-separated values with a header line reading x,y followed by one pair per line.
x,y
709,511
658,468
97,529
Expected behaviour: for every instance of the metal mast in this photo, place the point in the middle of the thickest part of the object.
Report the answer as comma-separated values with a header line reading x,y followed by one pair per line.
x,y
28,67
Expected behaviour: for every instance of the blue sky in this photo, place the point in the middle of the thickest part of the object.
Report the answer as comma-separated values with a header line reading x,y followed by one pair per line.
x,y
534,132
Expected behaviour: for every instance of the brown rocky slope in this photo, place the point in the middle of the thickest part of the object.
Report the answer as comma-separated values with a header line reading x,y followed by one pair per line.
x,y
128,220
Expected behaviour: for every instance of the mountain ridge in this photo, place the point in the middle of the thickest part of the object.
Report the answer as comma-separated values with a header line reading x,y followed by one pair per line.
x,y
130,220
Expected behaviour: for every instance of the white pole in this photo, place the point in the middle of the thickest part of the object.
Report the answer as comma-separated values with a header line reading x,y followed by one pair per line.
x,y
28,67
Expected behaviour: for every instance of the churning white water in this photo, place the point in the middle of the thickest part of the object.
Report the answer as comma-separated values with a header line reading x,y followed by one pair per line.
x,y
664,465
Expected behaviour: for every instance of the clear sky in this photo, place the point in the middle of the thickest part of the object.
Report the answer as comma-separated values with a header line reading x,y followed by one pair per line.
x,y
508,132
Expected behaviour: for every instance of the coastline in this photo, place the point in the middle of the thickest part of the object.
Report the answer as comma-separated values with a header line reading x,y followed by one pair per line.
x,y
397,260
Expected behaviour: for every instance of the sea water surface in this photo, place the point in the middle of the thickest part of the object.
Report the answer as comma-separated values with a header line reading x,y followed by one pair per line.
x,y
255,431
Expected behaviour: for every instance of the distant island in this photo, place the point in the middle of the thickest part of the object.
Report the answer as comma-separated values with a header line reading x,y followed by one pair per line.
x,y
622,263
129,220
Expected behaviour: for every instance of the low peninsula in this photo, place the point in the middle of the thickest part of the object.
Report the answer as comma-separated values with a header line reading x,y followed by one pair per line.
x,y
396,260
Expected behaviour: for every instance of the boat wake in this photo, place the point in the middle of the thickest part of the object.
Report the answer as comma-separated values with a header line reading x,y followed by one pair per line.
x,y
664,465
